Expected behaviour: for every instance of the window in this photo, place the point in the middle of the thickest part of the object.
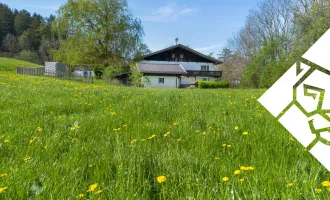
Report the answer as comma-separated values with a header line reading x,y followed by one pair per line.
x,y
161,80
181,57
173,55
205,68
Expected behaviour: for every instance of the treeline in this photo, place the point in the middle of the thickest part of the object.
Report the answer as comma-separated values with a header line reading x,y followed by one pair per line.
x,y
275,36
26,36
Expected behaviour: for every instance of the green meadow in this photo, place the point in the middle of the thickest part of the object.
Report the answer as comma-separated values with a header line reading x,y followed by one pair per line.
x,y
70,140
9,65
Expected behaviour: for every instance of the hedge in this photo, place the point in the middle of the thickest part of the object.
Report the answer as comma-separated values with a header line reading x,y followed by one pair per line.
x,y
213,84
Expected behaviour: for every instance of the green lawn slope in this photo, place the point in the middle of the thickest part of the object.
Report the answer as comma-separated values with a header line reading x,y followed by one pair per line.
x,y
9,64
70,140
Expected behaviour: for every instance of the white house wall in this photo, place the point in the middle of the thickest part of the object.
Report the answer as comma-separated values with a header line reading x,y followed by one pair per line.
x,y
169,82
186,65
187,80
81,73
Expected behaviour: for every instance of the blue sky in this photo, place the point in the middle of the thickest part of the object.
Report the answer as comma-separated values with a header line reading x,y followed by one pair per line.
x,y
204,25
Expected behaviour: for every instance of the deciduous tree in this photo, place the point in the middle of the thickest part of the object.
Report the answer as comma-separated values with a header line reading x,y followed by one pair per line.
x,y
97,31
11,44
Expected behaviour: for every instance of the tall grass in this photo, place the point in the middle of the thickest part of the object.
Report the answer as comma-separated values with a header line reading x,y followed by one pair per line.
x,y
58,138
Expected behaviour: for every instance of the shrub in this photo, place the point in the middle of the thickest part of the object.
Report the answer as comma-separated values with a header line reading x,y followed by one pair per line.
x,y
213,84
28,56
98,71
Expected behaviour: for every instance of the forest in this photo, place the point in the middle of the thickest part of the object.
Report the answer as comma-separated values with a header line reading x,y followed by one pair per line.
x,y
26,36
275,36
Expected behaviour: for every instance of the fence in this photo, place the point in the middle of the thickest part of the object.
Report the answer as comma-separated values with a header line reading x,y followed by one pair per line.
x,y
30,71
60,75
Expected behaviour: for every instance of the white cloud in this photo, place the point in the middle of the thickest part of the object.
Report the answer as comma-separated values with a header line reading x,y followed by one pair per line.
x,y
208,48
168,13
44,7
187,11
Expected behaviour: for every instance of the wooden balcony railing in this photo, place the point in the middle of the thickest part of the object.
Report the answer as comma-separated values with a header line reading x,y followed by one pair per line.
x,y
216,74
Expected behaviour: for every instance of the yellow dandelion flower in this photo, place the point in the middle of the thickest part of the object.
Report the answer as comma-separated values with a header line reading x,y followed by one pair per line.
x,y
318,191
236,128
3,189
229,145
112,113
179,139
237,172
3,175
133,141
167,134
6,141
99,191
81,195
243,168
175,123
326,183
291,139
224,145
290,184
92,187
30,141
225,179
73,128
151,137
245,133
217,158
27,159
40,129
161,179
241,180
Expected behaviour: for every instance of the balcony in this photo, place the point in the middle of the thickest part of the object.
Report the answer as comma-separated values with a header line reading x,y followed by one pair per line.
x,y
216,74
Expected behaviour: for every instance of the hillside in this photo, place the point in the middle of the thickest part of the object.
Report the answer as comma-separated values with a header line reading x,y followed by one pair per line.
x,y
62,140
9,64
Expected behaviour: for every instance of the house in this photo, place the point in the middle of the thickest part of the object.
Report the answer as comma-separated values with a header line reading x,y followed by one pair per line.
x,y
83,71
177,67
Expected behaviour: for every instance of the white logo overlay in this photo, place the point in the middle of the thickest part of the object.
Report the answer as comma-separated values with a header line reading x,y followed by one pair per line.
x,y
300,100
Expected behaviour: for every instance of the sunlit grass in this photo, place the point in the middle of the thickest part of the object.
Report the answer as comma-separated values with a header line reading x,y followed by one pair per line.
x,y
9,65
67,140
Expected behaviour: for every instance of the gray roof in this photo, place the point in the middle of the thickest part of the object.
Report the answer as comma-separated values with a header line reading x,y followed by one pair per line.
x,y
151,68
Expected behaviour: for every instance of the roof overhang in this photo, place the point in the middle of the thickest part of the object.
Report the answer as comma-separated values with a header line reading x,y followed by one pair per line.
x,y
212,60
